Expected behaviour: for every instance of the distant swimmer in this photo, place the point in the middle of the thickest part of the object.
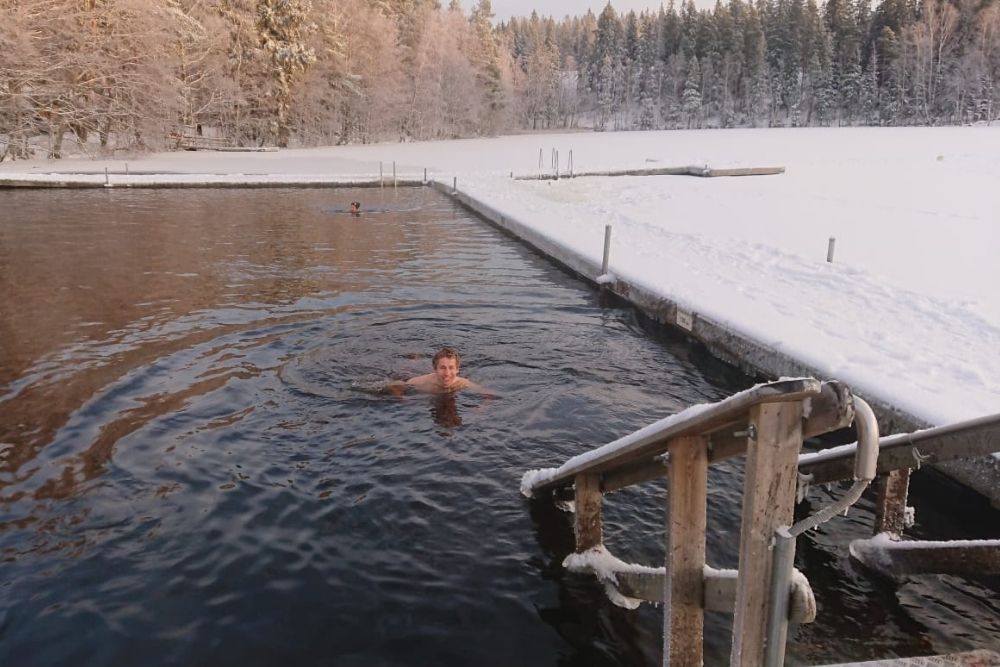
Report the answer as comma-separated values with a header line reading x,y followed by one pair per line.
x,y
445,378
355,208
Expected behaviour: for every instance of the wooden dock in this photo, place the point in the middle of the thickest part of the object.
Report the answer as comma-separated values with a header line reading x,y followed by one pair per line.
x,y
703,171
191,141
766,424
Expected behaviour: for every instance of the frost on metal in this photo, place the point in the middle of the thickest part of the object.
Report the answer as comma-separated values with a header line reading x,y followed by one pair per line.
x,y
803,486
599,561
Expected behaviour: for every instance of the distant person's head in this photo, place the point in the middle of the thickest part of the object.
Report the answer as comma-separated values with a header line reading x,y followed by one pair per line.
x,y
355,207
446,363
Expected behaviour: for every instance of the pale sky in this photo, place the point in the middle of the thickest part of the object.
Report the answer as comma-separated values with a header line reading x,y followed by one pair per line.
x,y
505,9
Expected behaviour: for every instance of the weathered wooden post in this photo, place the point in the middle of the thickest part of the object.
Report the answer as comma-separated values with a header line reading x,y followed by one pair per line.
x,y
393,173
768,502
454,186
890,508
684,588
829,249
539,159
381,180
588,497
107,181
425,175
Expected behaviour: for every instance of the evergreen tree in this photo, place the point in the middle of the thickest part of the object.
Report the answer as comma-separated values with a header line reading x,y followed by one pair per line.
x,y
608,44
691,98
670,30
485,57
605,94
282,25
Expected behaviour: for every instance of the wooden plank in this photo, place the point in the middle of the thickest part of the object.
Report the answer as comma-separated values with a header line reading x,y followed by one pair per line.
x,y
588,527
687,506
634,473
690,170
974,437
832,409
646,443
890,507
897,559
768,501
743,171
978,658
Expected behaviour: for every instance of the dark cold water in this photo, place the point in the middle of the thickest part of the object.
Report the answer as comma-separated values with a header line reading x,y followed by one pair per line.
x,y
190,475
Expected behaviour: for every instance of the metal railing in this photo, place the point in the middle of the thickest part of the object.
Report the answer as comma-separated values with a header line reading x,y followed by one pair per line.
x,y
767,423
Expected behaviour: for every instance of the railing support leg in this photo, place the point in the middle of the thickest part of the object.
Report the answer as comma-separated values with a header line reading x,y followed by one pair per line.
x,y
768,502
588,527
684,594
890,513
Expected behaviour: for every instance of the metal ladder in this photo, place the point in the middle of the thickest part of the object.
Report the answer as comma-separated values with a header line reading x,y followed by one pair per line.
x,y
767,423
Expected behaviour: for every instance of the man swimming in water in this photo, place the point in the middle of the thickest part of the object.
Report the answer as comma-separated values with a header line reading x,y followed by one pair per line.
x,y
443,380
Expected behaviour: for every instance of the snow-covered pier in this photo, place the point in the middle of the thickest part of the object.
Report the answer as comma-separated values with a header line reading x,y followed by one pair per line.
x,y
971,465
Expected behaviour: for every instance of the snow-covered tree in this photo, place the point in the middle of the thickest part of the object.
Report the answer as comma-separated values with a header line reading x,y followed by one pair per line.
x,y
282,25
691,98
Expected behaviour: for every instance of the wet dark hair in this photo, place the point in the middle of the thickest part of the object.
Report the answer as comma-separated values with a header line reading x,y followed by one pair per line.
x,y
446,353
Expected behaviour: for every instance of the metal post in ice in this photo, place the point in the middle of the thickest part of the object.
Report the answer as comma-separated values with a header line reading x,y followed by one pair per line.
x,y
557,165
781,582
393,173
381,181
107,181
829,249
454,186
126,168
539,158
425,175
607,249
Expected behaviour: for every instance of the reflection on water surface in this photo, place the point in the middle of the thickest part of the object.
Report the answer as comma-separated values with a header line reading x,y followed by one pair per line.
x,y
189,474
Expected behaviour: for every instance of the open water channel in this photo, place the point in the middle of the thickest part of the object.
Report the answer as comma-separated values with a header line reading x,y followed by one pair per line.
x,y
190,475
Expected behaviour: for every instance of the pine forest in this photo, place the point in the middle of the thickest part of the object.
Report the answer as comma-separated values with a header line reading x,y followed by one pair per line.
x,y
138,74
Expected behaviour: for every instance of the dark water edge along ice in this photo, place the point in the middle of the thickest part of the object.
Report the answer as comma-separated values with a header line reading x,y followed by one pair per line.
x,y
980,473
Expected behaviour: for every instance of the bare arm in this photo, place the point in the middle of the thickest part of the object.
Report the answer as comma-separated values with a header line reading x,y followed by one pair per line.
x,y
478,388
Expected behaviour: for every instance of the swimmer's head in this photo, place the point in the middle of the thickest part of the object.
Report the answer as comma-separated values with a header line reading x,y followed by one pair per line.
x,y
355,206
446,363
446,353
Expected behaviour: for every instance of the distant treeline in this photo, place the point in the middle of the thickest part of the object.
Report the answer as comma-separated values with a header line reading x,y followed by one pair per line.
x,y
127,74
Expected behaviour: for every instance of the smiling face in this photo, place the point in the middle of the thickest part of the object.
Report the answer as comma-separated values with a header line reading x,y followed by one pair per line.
x,y
446,369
